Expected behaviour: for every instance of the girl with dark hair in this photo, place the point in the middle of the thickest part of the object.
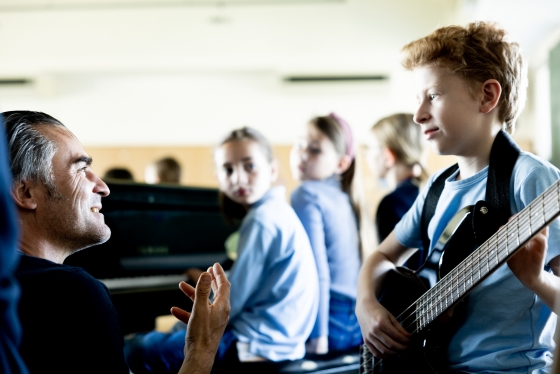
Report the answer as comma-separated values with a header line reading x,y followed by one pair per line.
x,y
324,160
274,283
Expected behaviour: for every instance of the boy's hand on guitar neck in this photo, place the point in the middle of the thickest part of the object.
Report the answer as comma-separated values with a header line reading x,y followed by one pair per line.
x,y
528,266
383,334
528,263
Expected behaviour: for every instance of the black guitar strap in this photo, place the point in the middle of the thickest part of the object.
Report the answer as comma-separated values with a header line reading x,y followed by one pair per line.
x,y
503,156
430,205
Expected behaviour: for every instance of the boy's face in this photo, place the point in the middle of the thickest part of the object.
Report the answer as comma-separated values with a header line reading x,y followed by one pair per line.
x,y
449,116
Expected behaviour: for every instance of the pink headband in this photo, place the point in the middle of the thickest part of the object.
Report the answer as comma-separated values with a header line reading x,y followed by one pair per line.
x,y
347,135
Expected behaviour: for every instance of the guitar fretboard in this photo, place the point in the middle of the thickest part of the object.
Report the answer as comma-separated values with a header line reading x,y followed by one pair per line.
x,y
484,261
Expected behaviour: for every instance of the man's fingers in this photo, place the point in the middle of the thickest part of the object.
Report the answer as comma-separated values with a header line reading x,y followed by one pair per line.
x,y
222,283
187,290
180,314
219,274
213,284
202,291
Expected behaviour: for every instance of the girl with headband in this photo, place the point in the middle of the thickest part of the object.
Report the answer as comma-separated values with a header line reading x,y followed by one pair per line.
x,y
324,160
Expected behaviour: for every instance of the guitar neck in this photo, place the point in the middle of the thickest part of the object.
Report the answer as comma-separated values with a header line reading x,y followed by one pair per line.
x,y
483,261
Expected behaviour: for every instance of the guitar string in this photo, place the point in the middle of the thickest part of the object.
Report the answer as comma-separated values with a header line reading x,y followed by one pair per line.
x,y
493,242
427,314
434,295
426,308
522,219
546,197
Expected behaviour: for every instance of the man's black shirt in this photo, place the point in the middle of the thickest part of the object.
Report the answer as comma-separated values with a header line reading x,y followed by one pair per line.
x,y
68,320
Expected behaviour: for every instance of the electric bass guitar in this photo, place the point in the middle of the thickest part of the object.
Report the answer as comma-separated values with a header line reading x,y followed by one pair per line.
x,y
463,257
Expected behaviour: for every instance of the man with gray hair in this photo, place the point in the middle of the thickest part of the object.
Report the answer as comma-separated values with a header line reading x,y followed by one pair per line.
x,y
69,323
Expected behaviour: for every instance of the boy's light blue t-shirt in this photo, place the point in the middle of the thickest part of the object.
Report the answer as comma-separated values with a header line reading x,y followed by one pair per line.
x,y
507,327
274,282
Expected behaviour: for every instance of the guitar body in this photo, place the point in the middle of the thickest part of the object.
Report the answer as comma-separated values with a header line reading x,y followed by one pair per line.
x,y
396,300
402,287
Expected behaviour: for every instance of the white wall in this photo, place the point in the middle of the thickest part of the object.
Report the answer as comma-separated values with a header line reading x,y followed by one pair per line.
x,y
198,108
173,75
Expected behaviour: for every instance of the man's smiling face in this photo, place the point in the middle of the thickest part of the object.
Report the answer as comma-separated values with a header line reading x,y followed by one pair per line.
x,y
72,213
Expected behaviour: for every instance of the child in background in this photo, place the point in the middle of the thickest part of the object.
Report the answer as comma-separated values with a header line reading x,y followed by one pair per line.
x,y
325,163
274,282
394,153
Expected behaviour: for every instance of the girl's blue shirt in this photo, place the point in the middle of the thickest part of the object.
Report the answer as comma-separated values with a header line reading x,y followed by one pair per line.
x,y
274,282
329,220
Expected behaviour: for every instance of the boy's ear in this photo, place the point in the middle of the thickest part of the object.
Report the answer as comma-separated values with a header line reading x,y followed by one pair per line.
x,y
275,168
343,164
25,195
491,93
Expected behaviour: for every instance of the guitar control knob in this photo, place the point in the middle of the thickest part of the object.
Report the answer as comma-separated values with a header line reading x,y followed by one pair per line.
x,y
484,210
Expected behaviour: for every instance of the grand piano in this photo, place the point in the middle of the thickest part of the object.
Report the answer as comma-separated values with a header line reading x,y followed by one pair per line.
x,y
157,232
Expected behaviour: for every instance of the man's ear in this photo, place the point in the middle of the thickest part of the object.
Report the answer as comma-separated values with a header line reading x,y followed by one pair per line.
x,y
491,92
25,195
343,164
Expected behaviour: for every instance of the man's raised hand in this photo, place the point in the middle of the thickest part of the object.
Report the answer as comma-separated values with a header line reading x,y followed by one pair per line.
x,y
207,321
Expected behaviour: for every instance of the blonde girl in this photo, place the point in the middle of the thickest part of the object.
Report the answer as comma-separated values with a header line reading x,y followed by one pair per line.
x,y
395,153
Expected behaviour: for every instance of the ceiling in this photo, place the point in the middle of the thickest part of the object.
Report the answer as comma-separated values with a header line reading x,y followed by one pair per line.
x,y
289,38
19,5
339,37
159,59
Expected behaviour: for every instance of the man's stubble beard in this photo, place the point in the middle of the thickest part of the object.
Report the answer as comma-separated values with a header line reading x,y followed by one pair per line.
x,y
70,231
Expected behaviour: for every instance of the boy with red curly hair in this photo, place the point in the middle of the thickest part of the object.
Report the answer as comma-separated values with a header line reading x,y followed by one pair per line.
x,y
470,84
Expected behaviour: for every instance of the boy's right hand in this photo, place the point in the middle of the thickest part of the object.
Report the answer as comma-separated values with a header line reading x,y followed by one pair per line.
x,y
383,334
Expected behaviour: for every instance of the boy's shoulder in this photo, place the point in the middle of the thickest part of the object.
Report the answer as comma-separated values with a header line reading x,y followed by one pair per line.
x,y
532,170
529,162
